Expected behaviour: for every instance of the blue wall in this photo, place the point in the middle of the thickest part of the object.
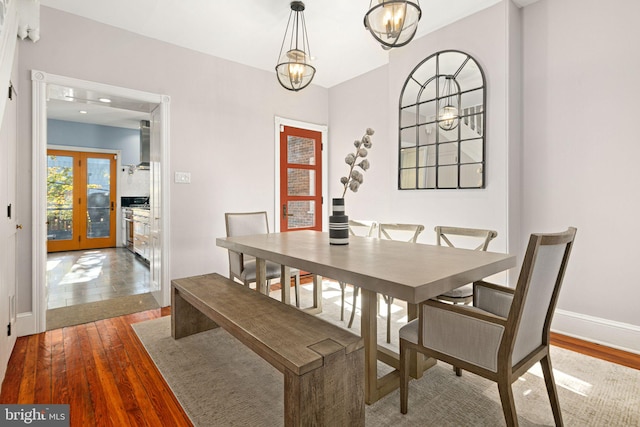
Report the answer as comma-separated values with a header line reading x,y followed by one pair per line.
x,y
60,132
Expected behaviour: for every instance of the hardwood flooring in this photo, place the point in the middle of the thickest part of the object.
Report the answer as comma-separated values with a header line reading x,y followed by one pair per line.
x,y
598,351
103,371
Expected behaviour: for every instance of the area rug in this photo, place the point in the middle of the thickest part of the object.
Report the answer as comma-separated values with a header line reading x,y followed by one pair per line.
x,y
92,311
220,382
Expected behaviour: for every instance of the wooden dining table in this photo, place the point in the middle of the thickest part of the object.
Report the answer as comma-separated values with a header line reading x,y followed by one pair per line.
x,y
411,272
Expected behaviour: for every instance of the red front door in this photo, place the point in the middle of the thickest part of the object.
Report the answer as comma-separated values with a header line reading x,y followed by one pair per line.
x,y
300,179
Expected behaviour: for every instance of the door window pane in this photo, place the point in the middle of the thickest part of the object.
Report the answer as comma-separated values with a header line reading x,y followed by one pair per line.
x,y
301,214
301,151
98,203
59,197
301,182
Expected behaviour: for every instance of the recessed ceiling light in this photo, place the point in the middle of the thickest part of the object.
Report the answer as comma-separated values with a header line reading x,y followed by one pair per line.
x,y
107,100
82,111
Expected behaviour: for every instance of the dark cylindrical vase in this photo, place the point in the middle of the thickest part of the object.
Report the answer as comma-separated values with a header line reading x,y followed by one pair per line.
x,y
338,224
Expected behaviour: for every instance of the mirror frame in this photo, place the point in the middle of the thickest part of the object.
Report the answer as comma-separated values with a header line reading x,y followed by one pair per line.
x,y
433,155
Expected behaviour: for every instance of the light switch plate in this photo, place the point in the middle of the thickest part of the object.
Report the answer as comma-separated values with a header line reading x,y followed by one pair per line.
x,y
182,178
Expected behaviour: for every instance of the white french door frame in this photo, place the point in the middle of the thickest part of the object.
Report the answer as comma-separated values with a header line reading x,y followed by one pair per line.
x,y
323,129
35,321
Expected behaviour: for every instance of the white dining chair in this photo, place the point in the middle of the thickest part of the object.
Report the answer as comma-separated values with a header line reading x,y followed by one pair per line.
x,y
391,231
364,228
459,237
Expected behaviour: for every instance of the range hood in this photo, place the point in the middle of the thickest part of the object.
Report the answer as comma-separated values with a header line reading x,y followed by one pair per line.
x,y
145,144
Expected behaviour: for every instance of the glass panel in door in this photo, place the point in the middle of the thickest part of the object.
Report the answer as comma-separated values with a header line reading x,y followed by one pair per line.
x,y
98,198
60,198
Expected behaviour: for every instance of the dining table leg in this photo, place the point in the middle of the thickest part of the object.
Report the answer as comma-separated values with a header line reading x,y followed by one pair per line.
x,y
285,284
418,363
369,333
261,276
374,388
317,292
316,308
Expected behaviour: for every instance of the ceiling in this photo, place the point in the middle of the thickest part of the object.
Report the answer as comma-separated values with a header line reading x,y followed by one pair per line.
x,y
250,32
83,106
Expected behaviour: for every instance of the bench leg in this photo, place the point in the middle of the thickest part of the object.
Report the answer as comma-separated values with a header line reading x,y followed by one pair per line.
x,y
332,395
186,319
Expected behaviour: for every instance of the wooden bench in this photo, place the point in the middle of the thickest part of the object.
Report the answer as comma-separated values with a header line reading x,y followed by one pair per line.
x,y
323,365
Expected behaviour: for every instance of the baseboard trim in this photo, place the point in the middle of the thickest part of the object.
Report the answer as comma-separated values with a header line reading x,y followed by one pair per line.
x,y
609,333
25,324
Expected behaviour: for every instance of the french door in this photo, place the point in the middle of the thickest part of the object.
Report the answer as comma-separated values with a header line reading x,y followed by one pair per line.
x,y
300,179
81,200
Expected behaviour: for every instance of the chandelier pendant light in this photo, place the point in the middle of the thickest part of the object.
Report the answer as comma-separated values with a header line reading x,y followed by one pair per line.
x,y
392,23
294,69
448,116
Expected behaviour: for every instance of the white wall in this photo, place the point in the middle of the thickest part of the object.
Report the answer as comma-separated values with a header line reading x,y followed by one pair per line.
x,y
222,127
560,147
576,165
372,100
580,168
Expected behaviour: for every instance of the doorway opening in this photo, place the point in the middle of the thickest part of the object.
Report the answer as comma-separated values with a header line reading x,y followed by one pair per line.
x,y
71,94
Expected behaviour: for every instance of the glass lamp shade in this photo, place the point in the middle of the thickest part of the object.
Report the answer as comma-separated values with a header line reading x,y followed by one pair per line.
x,y
294,71
392,23
448,117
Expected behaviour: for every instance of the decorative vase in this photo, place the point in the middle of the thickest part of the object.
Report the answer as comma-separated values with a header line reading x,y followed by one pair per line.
x,y
338,224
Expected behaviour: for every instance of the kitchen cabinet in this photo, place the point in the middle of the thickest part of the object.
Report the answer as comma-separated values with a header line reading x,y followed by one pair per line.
x,y
141,233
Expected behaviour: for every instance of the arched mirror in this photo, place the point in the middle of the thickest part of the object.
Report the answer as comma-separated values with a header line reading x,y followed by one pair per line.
x,y
442,124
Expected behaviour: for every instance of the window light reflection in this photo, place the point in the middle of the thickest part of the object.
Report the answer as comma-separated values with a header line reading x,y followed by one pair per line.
x,y
52,264
566,381
88,267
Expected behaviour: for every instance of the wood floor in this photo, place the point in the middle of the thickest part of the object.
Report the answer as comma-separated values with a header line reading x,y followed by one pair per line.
x,y
103,371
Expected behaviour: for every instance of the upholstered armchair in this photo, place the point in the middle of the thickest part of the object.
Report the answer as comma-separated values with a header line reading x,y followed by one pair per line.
x,y
243,267
504,333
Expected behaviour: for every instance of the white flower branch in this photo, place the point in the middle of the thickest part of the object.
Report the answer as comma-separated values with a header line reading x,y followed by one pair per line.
x,y
355,178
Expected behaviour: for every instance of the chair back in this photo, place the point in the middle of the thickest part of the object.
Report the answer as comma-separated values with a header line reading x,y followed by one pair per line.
x,y
536,294
362,228
464,236
404,232
246,223
243,224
